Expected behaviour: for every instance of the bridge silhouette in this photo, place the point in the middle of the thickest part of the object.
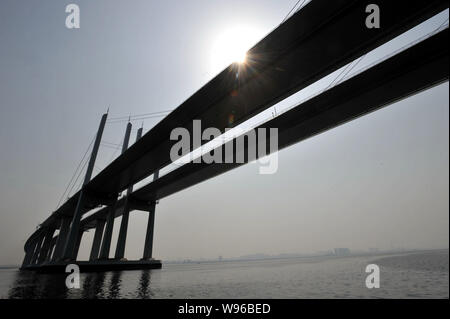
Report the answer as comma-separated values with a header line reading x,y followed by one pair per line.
x,y
317,40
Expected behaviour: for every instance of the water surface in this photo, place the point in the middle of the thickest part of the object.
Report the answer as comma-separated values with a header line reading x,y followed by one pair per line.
x,y
413,275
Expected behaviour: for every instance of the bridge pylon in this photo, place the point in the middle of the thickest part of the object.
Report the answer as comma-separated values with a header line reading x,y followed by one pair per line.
x,y
72,238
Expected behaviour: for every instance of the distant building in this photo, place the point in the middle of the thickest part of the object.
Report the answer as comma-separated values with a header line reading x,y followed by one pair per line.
x,y
342,251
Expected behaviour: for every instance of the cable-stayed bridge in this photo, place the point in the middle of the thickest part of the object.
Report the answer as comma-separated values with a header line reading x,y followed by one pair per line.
x,y
317,40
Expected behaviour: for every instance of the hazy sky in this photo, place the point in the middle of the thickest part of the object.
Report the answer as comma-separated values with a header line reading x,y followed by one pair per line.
x,y
380,181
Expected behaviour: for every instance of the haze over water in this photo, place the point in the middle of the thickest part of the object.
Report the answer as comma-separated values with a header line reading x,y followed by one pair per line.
x,y
409,275
379,181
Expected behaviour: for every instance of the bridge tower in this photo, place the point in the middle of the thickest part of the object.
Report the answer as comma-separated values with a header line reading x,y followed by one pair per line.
x,y
73,233
120,248
106,243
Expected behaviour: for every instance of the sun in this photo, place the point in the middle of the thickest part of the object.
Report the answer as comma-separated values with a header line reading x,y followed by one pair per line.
x,y
232,45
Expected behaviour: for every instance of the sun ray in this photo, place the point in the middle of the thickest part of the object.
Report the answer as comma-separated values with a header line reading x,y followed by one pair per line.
x,y
232,45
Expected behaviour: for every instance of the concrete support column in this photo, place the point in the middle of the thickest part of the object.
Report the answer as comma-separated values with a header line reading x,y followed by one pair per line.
x,y
106,243
46,245
29,255
37,250
62,237
27,259
121,241
51,249
69,247
148,247
97,239
77,244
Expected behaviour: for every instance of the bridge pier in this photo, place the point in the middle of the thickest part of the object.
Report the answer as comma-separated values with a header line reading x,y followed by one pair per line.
x,y
55,252
62,236
148,246
97,239
37,249
51,249
29,255
77,244
121,241
68,249
46,245
106,242
27,259
69,245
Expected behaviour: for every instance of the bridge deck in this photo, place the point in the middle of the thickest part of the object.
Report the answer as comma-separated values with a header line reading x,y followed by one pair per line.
x,y
417,68
316,41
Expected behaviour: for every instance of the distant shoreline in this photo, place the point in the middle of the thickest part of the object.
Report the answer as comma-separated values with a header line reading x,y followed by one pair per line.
x,y
9,267
278,257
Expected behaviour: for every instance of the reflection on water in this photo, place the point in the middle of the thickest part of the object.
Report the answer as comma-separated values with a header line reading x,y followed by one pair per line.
x,y
93,285
418,275
32,285
144,287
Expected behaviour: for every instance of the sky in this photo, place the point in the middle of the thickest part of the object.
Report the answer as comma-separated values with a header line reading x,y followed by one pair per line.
x,y
381,181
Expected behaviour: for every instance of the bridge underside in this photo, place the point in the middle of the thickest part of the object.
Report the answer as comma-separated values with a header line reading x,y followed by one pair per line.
x,y
410,72
318,40
417,68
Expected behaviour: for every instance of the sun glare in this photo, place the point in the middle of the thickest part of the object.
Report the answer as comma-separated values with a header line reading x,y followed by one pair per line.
x,y
232,45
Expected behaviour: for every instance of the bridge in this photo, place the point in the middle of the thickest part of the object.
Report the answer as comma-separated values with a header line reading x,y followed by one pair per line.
x,y
317,40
